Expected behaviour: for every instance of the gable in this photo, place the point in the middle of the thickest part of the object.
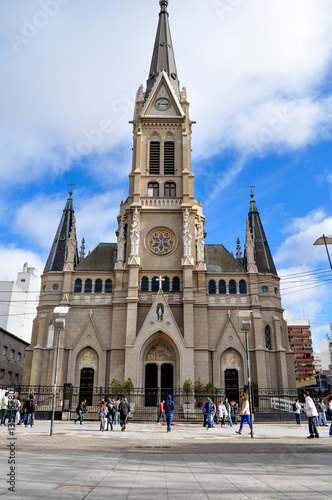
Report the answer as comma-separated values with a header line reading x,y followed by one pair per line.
x,y
162,89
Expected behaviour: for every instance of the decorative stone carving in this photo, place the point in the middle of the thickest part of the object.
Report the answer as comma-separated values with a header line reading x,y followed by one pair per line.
x,y
140,94
134,234
230,360
88,358
250,251
121,241
159,353
200,244
186,235
184,95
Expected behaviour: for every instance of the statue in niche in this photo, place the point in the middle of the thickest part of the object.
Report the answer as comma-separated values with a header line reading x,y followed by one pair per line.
x,y
121,240
134,234
186,235
88,359
200,240
230,360
159,353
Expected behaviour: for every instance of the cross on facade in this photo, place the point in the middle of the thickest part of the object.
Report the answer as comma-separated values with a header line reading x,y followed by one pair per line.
x,y
160,281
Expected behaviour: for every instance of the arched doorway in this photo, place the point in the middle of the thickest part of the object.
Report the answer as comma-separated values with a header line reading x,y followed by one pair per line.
x,y
86,385
159,374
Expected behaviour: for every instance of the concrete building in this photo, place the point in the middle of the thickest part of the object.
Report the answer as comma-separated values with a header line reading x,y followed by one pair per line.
x,y
160,306
18,303
12,352
300,342
317,362
325,349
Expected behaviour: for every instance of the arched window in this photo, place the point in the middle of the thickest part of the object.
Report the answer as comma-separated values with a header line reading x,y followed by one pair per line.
x,y
88,286
165,284
153,189
154,168
108,286
155,284
222,287
176,284
268,342
243,287
212,287
169,168
170,190
145,284
98,286
78,286
232,287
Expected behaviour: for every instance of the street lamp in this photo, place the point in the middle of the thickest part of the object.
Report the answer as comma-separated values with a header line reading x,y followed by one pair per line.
x,y
246,327
325,240
59,322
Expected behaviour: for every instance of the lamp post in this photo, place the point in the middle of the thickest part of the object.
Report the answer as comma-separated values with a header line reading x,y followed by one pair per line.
x,y
59,322
325,240
246,327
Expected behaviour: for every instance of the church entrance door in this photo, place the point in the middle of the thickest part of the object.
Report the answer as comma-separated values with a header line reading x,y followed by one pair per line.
x,y
232,385
166,380
86,384
151,384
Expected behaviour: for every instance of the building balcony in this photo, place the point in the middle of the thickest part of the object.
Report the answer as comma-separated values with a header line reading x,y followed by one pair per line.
x,y
168,203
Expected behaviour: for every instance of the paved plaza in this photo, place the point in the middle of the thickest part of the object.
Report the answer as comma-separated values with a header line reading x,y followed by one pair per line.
x,y
145,462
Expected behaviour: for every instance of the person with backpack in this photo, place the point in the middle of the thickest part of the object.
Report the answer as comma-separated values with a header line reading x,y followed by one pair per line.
x,y
30,409
124,410
111,413
321,408
297,408
169,408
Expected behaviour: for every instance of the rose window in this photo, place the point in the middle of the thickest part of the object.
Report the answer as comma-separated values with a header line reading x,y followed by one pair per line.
x,y
161,242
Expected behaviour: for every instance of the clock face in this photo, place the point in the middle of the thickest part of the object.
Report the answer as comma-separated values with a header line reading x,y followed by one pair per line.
x,y
163,104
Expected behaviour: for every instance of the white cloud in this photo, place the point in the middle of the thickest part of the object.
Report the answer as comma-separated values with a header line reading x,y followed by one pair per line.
x,y
242,70
14,258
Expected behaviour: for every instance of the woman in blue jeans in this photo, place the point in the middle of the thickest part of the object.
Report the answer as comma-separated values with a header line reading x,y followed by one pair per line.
x,y
245,412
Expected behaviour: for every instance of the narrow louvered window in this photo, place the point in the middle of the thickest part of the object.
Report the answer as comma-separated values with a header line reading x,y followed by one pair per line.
x,y
169,168
154,158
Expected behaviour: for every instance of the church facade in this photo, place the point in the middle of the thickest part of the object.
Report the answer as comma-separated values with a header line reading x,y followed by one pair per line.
x,y
160,306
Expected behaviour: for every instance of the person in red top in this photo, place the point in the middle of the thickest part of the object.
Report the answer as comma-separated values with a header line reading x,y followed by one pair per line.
x,y
161,412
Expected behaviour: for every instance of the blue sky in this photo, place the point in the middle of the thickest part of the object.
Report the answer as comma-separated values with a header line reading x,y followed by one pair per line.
x,y
258,75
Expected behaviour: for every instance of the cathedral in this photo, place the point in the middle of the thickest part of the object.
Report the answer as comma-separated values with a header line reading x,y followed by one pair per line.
x,y
161,307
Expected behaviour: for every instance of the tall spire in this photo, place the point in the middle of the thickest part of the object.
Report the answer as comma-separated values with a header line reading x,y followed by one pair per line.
x,y
163,54
263,256
57,256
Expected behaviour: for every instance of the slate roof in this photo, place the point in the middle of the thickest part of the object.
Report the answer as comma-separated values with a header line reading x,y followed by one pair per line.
x,y
102,259
220,260
163,54
263,256
57,255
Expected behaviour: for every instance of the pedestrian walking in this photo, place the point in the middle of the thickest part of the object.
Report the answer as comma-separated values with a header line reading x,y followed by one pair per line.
x,y
222,413
111,412
228,409
124,410
312,413
245,412
102,412
298,409
329,402
81,410
4,406
161,412
234,410
204,415
116,406
30,409
169,408
321,408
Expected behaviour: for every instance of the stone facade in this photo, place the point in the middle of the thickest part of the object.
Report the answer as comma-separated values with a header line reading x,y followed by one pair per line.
x,y
160,306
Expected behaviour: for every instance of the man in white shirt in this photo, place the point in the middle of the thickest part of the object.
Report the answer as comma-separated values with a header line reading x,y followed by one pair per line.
x,y
312,413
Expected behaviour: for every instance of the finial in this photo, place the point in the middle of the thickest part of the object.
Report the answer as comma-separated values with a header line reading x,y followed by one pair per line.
x,y
163,2
71,188
251,187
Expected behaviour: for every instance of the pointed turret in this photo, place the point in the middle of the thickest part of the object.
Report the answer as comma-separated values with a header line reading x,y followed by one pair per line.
x,y
262,253
57,256
163,54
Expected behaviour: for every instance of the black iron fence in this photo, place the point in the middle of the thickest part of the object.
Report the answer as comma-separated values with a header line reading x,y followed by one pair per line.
x,y
268,404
